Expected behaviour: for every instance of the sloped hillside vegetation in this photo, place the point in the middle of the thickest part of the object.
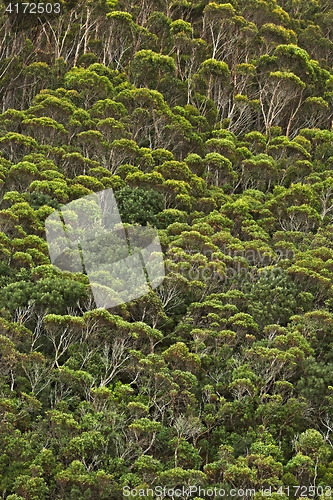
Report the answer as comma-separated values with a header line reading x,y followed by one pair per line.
x,y
212,122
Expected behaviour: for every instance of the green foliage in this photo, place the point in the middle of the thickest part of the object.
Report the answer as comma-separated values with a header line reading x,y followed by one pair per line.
x,y
212,122
139,206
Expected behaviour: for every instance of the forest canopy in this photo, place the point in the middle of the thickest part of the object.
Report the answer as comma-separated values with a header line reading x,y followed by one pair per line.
x,y
212,123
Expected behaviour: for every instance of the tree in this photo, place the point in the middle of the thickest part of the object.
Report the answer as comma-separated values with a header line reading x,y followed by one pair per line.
x,y
124,38
276,92
45,129
219,170
91,86
213,81
217,20
149,67
17,145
